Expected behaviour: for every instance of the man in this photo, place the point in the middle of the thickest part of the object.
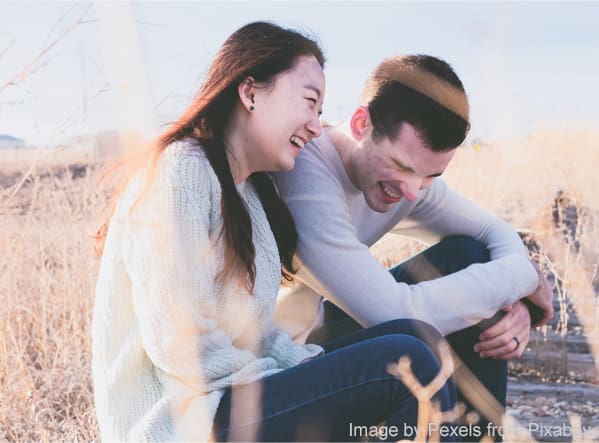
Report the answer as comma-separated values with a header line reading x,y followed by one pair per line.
x,y
359,180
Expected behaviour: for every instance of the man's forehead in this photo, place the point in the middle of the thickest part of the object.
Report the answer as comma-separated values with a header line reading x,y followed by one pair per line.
x,y
412,153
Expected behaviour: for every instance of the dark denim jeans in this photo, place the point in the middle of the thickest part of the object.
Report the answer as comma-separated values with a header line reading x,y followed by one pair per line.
x,y
339,396
448,256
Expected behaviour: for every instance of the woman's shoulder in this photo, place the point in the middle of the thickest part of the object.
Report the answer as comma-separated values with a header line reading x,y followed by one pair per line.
x,y
187,147
182,179
187,151
185,163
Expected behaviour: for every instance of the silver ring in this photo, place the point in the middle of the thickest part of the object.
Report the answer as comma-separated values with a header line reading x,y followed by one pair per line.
x,y
517,343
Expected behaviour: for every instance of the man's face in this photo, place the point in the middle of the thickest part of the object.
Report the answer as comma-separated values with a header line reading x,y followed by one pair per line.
x,y
387,171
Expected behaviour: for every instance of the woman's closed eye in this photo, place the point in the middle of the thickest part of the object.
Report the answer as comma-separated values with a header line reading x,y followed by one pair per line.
x,y
314,101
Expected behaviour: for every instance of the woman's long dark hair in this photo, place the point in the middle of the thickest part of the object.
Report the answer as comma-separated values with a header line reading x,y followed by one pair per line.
x,y
260,50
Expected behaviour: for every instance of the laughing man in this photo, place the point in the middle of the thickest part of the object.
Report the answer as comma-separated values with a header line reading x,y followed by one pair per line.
x,y
379,172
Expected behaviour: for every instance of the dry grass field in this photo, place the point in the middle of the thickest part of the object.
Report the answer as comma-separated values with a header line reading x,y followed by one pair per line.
x,y
47,276
49,207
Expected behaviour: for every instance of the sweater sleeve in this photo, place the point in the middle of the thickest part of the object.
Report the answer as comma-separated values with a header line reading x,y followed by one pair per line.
x,y
171,264
338,266
280,346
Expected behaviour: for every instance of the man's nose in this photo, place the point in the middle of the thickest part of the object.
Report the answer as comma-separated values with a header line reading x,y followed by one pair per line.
x,y
409,188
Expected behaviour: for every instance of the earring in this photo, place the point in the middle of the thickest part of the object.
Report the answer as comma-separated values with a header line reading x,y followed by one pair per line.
x,y
251,107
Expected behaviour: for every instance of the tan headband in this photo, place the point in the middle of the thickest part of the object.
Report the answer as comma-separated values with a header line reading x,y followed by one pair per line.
x,y
435,88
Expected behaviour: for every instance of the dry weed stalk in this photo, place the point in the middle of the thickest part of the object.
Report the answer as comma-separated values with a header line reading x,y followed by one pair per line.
x,y
47,274
563,242
430,415
36,63
429,412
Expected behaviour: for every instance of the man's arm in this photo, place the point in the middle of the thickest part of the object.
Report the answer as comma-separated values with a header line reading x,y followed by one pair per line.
x,y
441,212
498,340
337,265
444,212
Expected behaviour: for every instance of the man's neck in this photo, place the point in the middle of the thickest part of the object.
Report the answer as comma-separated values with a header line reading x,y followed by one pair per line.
x,y
346,146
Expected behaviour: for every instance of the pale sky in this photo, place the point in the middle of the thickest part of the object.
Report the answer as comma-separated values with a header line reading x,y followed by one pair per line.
x,y
524,65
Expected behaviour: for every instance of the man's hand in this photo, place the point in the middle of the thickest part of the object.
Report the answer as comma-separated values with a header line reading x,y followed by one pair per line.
x,y
542,298
507,338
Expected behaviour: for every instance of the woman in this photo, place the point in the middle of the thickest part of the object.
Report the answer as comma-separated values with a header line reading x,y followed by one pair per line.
x,y
192,262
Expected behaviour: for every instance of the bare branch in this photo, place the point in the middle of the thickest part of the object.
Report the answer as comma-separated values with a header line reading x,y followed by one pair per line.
x,y
31,67
55,25
428,411
69,120
163,25
5,50
166,97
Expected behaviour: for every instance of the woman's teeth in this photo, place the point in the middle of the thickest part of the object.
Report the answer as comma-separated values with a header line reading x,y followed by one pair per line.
x,y
389,193
297,141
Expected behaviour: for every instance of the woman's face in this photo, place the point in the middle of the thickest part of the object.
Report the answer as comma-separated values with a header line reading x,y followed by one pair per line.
x,y
286,115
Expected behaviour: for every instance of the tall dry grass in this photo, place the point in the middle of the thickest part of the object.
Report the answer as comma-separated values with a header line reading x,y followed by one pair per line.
x,y
546,186
47,275
48,268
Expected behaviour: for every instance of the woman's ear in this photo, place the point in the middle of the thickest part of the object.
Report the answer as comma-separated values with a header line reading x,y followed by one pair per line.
x,y
246,91
359,122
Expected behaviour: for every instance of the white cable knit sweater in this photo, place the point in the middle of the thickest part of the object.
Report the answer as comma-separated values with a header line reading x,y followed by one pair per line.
x,y
167,340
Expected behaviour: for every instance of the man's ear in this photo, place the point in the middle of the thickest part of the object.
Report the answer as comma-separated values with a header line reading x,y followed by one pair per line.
x,y
359,122
246,91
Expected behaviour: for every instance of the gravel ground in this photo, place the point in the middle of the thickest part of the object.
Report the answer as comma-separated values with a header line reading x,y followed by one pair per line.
x,y
552,411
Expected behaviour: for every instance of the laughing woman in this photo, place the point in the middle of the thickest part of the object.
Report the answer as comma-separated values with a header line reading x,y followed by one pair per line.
x,y
193,255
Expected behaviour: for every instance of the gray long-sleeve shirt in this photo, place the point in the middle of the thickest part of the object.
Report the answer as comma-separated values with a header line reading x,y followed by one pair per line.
x,y
336,227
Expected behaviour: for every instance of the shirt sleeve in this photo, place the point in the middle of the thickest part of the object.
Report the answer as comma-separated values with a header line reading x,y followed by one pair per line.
x,y
441,212
338,266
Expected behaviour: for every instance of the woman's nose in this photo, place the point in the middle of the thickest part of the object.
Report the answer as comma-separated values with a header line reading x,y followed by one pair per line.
x,y
314,127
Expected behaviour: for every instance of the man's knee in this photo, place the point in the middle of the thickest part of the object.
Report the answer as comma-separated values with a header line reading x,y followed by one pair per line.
x,y
414,328
409,326
465,249
395,346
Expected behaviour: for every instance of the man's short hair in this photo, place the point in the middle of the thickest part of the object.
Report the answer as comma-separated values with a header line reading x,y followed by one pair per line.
x,y
421,90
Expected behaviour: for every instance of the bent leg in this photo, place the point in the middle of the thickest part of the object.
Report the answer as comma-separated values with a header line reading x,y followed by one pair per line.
x,y
450,255
337,397
407,326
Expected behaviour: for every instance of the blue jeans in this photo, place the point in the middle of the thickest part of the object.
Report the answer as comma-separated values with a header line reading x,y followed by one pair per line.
x,y
448,256
338,396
